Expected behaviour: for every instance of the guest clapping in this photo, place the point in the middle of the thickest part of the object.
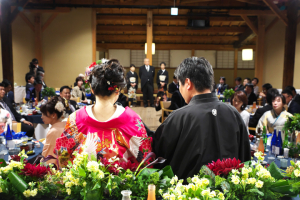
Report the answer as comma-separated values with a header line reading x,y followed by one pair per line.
x,y
78,90
53,113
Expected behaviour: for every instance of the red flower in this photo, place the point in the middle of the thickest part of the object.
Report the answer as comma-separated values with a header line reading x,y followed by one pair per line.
x,y
111,88
34,171
225,166
129,165
93,64
124,165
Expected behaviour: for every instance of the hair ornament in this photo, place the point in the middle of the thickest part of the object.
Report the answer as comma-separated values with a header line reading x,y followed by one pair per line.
x,y
113,88
108,82
59,106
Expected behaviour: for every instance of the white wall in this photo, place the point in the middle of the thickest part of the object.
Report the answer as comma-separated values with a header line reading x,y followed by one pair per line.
x,y
123,55
177,56
209,55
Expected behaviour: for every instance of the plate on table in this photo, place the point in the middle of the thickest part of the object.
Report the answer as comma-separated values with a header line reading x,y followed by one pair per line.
x,y
30,152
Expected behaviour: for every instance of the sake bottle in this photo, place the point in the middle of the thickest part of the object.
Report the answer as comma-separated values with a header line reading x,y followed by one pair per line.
x,y
151,192
279,144
274,141
126,194
9,138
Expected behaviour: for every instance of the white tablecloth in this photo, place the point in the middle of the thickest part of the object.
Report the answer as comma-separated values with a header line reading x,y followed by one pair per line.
x,y
20,93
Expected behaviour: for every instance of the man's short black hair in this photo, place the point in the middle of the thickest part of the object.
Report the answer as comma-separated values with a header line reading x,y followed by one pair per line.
x,y
280,96
270,94
249,80
267,86
6,83
163,63
287,91
291,88
223,78
239,79
1,85
255,79
64,87
132,65
174,77
249,85
35,61
28,76
198,70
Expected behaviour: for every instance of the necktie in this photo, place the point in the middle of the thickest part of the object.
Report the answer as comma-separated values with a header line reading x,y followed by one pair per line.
x,y
8,109
147,68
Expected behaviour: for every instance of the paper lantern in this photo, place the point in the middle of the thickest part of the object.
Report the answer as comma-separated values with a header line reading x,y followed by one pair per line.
x,y
174,11
247,54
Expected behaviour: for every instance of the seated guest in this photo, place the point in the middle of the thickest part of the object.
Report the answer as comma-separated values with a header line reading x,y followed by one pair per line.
x,y
246,81
78,90
161,96
71,106
255,86
8,90
222,85
250,94
238,83
275,117
122,100
162,78
260,111
53,113
293,106
132,78
30,89
296,97
38,85
240,102
16,117
263,94
173,86
203,131
112,129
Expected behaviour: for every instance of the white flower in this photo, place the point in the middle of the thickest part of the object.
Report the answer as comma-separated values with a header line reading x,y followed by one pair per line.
x,y
59,106
235,179
259,184
92,166
297,172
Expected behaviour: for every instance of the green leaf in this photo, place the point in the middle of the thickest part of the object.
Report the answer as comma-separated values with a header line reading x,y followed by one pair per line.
x,y
97,186
219,180
256,191
81,172
93,157
292,163
225,186
3,163
147,171
283,187
167,171
275,172
206,171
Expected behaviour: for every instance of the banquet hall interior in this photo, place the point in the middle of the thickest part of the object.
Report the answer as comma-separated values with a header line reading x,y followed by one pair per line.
x,y
52,51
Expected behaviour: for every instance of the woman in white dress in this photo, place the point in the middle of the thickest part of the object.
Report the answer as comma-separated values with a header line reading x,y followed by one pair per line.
x,y
240,101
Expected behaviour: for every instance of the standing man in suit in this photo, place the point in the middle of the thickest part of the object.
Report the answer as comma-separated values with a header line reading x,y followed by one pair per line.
x,y
173,87
71,106
132,78
293,106
162,78
147,73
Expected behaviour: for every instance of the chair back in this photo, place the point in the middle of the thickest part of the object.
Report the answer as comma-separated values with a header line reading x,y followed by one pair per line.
x,y
164,108
16,127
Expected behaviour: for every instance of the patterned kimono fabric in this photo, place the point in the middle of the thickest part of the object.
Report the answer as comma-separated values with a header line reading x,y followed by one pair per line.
x,y
124,137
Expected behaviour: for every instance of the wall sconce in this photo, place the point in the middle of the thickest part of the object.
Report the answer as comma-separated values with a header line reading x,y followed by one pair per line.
x,y
247,54
153,48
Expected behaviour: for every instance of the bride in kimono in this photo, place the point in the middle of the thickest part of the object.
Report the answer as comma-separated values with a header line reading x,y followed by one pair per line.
x,y
110,129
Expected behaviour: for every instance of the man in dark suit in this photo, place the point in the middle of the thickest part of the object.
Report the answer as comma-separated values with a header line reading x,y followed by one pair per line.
x,y
162,78
122,100
5,104
260,111
239,86
250,94
65,92
222,85
35,68
296,97
147,73
293,106
173,86
30,89
8,87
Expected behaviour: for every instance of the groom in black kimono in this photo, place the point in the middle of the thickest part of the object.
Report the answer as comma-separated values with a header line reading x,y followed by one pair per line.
x,y
203,131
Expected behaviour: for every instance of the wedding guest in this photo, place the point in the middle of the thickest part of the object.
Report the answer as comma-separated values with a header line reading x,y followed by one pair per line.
x,y
250,94
222,85
78,90
240,102
110,130
132,78
255,86
65,93
38,85
34,67
275,117
246,81
161,96
185,142
5,104
30,89
238,83
8,90
146,74
173,86
293,106
53,113
132,95
162,78
260,111
296,97
263,94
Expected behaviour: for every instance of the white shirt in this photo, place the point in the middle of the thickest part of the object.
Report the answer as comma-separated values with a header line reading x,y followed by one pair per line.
x,y
132,72
147,67
163,71
119,111
246,117
290,103
256,90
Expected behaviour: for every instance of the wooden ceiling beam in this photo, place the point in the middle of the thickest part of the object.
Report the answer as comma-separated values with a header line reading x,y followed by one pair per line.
x,y
250,24
276,11
101,28
18,9
252,12
270,26
141,46
56,10
255,2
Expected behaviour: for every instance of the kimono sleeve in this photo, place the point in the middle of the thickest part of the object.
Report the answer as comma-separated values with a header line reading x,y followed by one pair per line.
x,y
263,121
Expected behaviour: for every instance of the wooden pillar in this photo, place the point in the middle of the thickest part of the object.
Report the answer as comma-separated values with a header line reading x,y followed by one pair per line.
x,y
6,42
236,51
38,38
290,43
94,32
259,52
149,35
193,52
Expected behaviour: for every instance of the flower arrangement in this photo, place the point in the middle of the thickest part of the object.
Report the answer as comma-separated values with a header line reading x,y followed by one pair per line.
x,y
248,181
48,92
228,93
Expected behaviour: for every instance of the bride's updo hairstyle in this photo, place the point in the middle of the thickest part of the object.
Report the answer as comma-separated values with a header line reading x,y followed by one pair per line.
x,y
107,78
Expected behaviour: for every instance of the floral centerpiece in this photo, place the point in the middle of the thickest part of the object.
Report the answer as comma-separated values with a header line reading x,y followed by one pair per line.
x,y
228,93
48,92
291,129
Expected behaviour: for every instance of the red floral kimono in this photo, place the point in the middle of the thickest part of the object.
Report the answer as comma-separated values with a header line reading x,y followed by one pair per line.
x,y
124,137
